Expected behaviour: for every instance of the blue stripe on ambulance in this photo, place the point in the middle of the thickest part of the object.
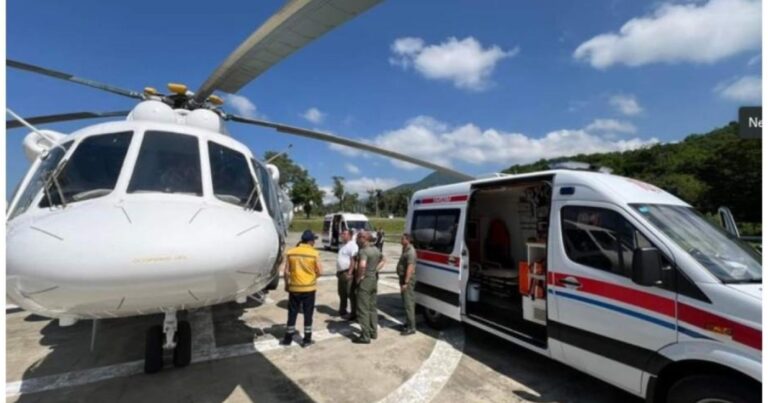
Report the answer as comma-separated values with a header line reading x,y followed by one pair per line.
x,y
629,312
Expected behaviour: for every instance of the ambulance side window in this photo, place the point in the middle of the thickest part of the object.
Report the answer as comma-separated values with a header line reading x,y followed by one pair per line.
x,y
600,238
435,230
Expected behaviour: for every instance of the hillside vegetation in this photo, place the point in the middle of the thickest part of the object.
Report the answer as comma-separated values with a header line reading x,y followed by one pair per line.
x,y
706,170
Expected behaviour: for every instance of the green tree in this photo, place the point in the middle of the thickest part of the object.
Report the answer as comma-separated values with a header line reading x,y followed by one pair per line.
x,y
338,190
306,194
352,201
709,170
289,171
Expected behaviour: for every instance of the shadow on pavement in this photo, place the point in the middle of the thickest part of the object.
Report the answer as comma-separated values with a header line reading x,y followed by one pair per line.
x,y
551,380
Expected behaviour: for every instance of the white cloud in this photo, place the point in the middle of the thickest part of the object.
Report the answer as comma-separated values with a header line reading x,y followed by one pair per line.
x,y
364,184
242,105
464,62
328,196
675,33
314,115
626,104
610,126
744,89
352,168
435,141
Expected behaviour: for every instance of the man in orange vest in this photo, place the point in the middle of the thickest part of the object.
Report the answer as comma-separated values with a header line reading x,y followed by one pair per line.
x,y
302,267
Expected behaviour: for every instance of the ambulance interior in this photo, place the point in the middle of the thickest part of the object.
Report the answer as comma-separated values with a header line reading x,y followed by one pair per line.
x,y
506,236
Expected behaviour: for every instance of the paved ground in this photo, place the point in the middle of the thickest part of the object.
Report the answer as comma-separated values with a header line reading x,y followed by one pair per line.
x,y
237,359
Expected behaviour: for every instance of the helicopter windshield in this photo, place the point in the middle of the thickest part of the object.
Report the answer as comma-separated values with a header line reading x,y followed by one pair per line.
x,y
48,164
167,163
91,171
232,178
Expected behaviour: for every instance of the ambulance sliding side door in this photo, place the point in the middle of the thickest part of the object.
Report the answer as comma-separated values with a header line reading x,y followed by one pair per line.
x,y
435,234
607,325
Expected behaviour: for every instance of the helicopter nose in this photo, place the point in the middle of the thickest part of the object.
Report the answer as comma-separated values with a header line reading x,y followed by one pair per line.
x,y
88,260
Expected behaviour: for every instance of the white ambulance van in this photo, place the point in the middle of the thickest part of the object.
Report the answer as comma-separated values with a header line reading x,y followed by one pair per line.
x,y
335,223
607,274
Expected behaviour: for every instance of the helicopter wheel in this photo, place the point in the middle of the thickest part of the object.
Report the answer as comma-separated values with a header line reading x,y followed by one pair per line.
x,y
153,350
182,353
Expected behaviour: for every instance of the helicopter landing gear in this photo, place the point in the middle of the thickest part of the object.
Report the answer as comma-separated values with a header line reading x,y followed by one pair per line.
x,y
172,335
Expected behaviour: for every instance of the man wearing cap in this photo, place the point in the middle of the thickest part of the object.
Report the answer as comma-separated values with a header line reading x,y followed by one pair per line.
x,y
406,273
302,267
369,263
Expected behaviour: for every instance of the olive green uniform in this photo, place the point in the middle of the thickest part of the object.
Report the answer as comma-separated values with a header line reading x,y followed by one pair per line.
x,y
409,303
367,313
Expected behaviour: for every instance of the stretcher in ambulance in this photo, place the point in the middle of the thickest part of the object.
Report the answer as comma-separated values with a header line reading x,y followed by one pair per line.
x,y
607,274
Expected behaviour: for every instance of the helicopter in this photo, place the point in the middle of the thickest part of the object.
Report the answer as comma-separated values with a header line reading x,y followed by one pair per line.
x,y
163,211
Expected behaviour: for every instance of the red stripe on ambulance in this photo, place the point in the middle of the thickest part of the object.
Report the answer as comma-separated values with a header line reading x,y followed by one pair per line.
x,y
741,334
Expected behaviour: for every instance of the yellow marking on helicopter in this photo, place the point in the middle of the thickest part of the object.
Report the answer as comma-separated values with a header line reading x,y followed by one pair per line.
x,y
177,88
158,259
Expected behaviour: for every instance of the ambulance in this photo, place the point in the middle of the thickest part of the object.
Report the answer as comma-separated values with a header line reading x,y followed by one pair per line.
x,y
335,223
607,274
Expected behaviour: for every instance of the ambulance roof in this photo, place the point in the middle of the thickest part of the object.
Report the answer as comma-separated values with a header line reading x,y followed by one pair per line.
x,y
348,216
588,185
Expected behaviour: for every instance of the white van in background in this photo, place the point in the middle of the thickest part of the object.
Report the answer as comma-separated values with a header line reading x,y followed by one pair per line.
x,y
607,274
334,223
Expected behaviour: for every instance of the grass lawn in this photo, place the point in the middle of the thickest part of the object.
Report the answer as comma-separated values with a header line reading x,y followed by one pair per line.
x,y
392,227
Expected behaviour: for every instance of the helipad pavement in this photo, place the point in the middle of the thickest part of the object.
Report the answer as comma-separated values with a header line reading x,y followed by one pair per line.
x,y
237,358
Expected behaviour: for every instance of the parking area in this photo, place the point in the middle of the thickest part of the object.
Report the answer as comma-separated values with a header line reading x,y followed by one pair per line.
x,y
237,358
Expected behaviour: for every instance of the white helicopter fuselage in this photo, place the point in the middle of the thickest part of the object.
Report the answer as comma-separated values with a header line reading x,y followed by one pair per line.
x,y
133,253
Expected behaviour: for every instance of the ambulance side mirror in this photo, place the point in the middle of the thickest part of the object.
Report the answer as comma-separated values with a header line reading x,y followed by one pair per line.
x,y
646,266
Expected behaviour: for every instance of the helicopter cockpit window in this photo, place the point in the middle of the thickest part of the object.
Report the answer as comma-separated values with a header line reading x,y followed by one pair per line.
x,y
232,178
268,187
47,165
167,163
91,171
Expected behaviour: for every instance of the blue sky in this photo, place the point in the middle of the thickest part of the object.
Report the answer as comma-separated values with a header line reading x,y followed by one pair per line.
x,y
477,85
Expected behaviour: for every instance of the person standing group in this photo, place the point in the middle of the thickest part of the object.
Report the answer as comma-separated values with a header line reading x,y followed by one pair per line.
x,y
302,268
345,262
406,274
369,262
358,264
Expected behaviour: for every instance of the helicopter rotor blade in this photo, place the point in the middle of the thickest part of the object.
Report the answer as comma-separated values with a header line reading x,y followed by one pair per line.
x,y
73,79
296,24
312,134
64,117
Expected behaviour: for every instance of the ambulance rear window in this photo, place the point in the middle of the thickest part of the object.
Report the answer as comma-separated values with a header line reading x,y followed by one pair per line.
x,y
435,230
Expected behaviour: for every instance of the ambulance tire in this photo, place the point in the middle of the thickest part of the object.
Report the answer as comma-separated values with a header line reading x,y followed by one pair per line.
x,y
716,388
434,319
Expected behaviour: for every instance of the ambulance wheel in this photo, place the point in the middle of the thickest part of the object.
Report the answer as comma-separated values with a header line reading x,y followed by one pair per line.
x,y
435,320
182,354
153,350
714,388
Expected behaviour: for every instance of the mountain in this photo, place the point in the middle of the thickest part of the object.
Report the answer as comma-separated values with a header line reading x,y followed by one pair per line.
x,y
433,179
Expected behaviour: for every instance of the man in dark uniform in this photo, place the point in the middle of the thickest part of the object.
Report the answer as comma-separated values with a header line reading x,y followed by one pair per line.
x,y
406,274
369,262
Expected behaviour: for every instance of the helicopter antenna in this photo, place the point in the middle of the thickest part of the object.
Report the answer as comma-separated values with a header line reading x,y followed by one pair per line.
x,y
34,129
276,156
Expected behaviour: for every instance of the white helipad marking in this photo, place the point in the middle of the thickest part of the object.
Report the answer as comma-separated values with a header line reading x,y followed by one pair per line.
x,y
83,377
434,373
201,321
